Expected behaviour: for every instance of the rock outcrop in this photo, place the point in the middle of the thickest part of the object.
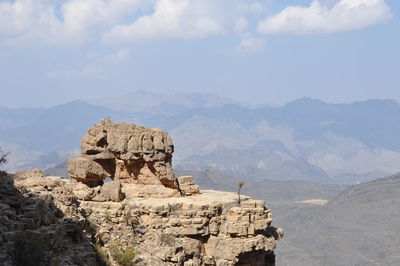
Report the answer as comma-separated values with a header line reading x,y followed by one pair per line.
x,y
23,174
139,218
35,231
124,151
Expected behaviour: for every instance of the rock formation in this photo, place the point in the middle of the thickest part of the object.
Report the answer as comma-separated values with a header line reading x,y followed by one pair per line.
x,y
126,152
139,218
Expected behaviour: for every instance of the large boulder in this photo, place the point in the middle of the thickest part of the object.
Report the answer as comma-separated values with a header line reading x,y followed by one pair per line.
x,y
86,170
110,191
125,152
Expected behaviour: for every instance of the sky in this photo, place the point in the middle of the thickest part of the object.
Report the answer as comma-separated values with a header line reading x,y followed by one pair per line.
x,y
255,52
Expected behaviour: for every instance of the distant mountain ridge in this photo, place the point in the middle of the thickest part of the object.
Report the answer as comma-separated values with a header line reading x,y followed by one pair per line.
x,y
305,139
152,102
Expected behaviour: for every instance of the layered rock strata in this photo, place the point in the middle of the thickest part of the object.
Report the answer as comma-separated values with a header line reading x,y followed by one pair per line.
x,y
144,216
126,152
204,229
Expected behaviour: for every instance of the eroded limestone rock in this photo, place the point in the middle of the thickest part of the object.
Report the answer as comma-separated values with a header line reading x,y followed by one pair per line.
x,y
23,174
125,152
187,186
203,229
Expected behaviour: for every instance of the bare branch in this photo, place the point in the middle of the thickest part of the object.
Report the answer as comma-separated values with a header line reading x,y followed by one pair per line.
x,y
3,156
240,185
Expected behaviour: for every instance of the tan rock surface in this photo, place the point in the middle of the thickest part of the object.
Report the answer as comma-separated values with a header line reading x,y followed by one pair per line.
x,y
208,228
23,174
126,152
145,216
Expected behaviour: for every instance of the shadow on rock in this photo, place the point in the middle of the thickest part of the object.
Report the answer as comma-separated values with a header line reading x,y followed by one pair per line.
x,y
34,231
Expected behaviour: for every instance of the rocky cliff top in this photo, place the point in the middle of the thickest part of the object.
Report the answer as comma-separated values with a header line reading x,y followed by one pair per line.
x,y
143,216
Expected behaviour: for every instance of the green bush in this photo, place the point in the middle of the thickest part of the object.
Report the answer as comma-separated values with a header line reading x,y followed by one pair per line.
x,y
122,255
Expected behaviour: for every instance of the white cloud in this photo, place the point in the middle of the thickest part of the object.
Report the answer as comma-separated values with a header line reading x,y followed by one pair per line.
x,y
70,21
171,19
186,19
344,15
78,21
23,20
61,22
79,15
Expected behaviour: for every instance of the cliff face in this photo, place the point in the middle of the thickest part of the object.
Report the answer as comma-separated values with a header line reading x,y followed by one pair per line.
x,y
139,218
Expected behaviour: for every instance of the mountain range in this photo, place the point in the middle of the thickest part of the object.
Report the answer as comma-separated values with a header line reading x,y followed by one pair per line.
x,y
305,139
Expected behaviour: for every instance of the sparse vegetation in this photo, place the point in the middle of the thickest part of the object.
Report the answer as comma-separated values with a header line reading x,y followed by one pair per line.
x,y
130,219
123,254
92,223
166,239
86,212
107,216
32,249
101,252
127,217
240,185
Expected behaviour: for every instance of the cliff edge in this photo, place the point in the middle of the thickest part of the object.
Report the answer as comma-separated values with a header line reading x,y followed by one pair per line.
x,y
123,205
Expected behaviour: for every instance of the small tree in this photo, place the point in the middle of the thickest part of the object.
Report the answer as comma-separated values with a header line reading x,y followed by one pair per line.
x,y
3,160
3,156
240,185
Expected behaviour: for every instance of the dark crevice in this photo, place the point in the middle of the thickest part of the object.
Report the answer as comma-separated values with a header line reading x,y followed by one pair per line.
x,y
92,152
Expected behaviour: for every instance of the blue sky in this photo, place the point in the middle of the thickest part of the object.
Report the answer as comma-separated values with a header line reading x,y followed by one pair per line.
x,y
257,52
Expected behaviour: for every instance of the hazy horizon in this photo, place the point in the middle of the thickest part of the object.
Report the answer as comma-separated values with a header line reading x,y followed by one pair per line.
x,y
237,101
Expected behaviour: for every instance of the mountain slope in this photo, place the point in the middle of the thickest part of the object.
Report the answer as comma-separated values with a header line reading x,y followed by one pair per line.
x,y
256,164
364,219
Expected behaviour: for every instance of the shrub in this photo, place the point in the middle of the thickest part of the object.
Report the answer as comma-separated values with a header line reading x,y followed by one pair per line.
x,y
33,249
107,216
130,219
100,251
92,223
122,255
